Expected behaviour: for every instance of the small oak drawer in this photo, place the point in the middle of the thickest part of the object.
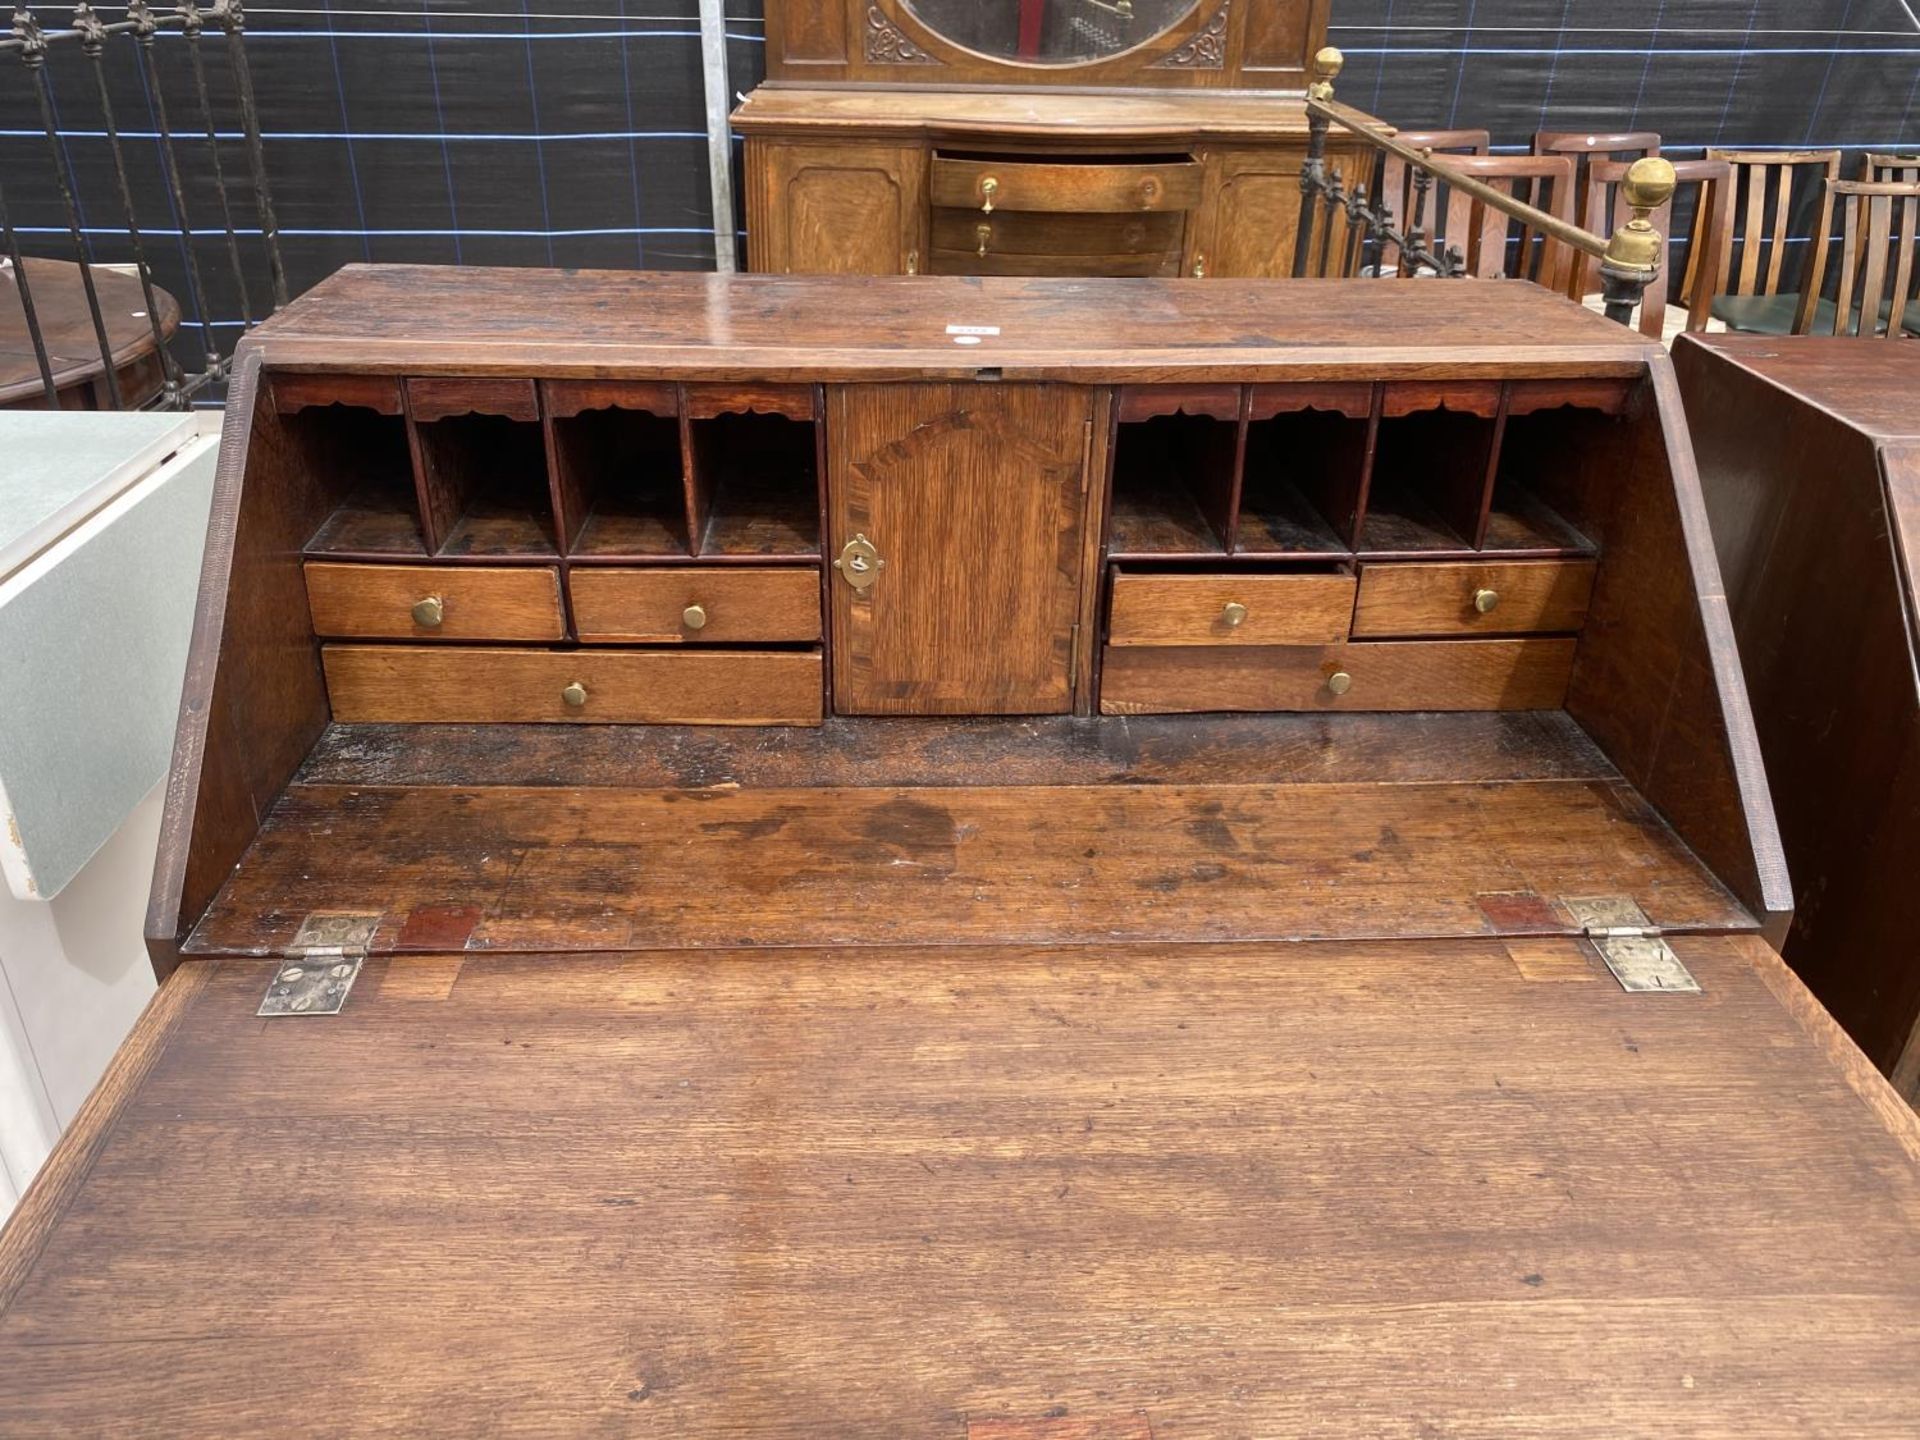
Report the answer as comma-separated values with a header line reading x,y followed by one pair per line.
x,y
1387,675
402,685
1513,597
435,602
712,604
989,186
1215,609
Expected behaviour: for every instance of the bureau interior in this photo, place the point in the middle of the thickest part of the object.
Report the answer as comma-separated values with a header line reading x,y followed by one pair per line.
x,y
1368,545
1350,617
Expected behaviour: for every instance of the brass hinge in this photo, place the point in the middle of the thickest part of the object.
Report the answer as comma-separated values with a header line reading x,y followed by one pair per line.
x,y
1632,945
321,964
1086,460
1073,662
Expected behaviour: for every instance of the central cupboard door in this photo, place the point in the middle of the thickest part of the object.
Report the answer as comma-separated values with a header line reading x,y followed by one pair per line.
x,y
973,499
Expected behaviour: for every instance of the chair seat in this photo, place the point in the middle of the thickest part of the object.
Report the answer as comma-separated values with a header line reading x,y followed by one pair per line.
x,y
1769,314
1773,314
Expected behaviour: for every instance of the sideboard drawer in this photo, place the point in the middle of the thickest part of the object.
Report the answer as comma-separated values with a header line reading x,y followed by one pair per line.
x,y
435,602
1389,675
1463,597
1213,609
399,684
708,604
1095,185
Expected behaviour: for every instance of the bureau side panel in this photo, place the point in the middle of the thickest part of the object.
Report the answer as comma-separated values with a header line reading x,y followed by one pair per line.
x,y
253,701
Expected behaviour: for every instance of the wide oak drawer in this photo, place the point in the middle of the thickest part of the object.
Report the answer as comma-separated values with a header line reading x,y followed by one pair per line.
x,y
1385,675
978,184
435,602
1035,233
1217,609
710,604
1491,597
398,684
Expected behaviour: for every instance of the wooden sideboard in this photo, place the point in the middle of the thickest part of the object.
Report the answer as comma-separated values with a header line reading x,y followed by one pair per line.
x,y
956,1035
1809,453
881,145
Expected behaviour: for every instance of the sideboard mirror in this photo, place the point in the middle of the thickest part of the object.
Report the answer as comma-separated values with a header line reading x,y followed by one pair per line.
x,y
1138,44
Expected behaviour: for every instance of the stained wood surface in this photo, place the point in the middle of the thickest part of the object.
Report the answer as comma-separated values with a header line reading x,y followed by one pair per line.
x,y
478,602
975,498
557,868
1533,596
736,604
958,1193
1464,747
480,685
799,109
253,700
1191,609
1814,504
1528,674
1070,187
681,326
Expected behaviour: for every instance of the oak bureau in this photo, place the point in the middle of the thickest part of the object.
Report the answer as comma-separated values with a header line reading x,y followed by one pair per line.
x,y
995,859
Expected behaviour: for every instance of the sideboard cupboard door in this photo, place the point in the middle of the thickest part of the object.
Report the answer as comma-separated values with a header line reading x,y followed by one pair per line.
x,y
837,209
973,500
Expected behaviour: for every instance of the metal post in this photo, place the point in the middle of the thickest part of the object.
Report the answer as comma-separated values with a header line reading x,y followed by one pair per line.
x,y
193,26
141,17
713,65
1313,170
40,356
232,22
33,54
93,40
1632,261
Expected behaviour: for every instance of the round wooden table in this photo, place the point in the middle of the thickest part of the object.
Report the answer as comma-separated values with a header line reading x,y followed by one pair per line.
x,y
60,303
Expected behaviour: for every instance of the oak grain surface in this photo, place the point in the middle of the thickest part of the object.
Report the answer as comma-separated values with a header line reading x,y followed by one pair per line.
x,y
907,1192
556,869
472,684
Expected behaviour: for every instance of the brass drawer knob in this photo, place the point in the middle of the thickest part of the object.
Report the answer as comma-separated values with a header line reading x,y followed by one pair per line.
x,y
989,188
694,617
1232,614
429,612
1484,600
575,695
1339,682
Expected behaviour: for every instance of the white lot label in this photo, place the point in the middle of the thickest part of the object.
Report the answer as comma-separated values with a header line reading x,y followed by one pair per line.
x,y
973,329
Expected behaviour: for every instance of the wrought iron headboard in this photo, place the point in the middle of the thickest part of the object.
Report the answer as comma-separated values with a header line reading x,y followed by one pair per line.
x,y
30,44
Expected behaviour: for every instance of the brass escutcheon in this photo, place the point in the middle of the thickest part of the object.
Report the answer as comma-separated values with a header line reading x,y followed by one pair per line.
x,y
859,563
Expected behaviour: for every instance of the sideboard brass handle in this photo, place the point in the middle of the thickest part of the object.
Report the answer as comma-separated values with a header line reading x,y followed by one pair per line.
x,y
983,233
1199,267
1233,614
913,262
575,695
429,611
1339,682
1484,600
694,617
989,188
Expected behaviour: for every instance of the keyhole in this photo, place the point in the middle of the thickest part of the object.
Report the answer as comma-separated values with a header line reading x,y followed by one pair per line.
x,y
858,564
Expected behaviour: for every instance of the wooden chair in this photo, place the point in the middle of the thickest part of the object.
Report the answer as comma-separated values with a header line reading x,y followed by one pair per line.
x,y
1758,214
1586,149
1903,169
1878,225
1713,180
1542,181
1396,179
